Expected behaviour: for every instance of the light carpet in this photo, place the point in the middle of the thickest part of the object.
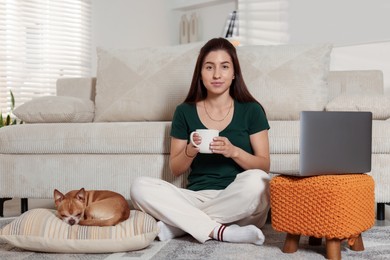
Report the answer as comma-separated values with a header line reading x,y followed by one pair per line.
x,y
376,242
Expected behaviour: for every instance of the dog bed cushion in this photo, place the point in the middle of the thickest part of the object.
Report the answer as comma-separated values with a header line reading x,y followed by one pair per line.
x,y
41,230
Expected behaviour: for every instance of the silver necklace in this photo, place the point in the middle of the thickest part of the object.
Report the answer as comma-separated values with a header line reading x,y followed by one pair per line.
x,y
217,120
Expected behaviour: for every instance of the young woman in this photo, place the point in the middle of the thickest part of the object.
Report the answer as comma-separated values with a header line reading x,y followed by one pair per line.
x,y
227,197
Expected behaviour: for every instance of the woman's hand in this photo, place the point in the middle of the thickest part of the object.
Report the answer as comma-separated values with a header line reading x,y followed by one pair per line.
x,y
196,138
222,145
182,155
259,160
191,150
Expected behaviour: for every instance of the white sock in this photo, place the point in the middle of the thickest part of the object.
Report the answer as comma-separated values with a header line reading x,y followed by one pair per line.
x,y
236,234
168,232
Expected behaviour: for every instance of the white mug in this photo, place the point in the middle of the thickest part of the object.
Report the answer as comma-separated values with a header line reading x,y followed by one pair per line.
x,y
207,136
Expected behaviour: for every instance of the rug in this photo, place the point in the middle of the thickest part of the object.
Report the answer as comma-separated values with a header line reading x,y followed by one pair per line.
x,y
376,242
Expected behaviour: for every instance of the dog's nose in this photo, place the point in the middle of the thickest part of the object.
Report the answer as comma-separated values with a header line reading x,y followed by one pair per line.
x,y
71,222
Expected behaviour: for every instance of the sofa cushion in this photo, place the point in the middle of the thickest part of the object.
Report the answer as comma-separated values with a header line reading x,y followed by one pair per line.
x,y
287,79
284,137
37,175
56,109
86,138
379,105
41,230
355,82
143,84
76,87
148,84
284,145
139,138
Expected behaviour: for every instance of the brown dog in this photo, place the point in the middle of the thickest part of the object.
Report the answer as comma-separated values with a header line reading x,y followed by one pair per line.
x,y
91,208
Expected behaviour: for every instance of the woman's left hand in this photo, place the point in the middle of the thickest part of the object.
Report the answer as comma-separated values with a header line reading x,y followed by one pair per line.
x,y
222,145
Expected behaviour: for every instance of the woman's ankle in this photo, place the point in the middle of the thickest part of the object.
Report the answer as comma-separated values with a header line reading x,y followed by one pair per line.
x,y
236,234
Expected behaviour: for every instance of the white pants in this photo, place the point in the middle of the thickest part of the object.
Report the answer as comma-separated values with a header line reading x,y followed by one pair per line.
x,y
245,201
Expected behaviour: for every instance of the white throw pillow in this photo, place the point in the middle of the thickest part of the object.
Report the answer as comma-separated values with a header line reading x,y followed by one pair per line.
x,y
143,84
286,79
41,230
56,109
379,105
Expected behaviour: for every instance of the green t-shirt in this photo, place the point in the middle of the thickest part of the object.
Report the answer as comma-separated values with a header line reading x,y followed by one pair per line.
x,y
215,171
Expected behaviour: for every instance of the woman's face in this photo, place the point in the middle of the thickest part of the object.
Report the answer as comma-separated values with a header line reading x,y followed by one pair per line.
x,y
217,72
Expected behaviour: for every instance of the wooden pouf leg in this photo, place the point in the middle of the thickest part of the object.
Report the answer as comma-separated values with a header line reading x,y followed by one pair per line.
x,y
291,243
358,245
315,241
333,248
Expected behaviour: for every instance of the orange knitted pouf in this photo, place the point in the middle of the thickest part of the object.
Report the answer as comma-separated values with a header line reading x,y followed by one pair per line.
x,y
334,207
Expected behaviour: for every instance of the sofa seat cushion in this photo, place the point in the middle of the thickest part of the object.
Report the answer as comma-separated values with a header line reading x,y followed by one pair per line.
x,y
141,138
86,138
117,138
381,137
284,137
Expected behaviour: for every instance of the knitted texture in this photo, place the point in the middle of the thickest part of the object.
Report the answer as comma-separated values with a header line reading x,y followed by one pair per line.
x,y
330,206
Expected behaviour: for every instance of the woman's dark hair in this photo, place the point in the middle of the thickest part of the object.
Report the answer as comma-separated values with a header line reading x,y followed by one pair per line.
x,y
238,89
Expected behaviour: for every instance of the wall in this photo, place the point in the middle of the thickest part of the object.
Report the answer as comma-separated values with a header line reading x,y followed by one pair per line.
x,y
367,56
146,23
130,23
212,16
358,28
338,21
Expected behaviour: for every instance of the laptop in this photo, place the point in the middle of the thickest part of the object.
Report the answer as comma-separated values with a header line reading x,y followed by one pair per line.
x,y
334,143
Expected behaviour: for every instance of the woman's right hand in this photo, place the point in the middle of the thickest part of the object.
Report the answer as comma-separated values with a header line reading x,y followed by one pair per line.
x,y
197,139
191,150
182,155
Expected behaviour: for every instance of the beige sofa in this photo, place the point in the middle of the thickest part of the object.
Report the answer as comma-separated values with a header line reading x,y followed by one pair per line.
x,y
103,132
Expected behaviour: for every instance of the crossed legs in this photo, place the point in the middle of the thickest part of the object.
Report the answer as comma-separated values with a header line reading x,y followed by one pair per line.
x,y
245,202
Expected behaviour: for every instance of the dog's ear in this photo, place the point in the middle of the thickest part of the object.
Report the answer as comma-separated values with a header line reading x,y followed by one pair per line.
x,y
80,195
58,197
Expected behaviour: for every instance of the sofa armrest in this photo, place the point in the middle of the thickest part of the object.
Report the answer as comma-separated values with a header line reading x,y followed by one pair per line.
x,y
378,104
364,82
84,88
